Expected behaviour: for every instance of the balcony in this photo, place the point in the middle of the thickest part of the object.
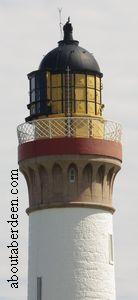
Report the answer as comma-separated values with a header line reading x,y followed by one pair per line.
x,y
76,127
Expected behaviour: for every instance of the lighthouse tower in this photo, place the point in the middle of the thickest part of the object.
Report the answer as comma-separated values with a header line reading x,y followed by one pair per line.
x,y
69,155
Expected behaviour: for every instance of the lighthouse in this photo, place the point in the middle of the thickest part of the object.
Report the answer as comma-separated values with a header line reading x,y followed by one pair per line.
x,y
69,155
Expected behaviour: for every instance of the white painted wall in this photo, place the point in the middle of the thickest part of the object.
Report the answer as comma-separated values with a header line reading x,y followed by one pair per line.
x,y
69,249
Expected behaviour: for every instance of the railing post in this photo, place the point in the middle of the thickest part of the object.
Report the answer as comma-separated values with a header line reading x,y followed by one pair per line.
x,y
91,127
50,131
88,124
68,126
35,135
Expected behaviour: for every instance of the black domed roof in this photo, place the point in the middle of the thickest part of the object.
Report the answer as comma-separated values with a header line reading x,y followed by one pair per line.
x,y
68,53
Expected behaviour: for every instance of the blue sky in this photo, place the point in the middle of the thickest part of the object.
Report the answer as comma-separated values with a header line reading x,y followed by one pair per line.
x,y
108,29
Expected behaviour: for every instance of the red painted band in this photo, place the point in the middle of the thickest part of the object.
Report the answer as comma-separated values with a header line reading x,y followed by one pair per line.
x,y
69,146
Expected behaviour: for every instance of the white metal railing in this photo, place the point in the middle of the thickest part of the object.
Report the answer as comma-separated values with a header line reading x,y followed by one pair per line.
x,y
88,127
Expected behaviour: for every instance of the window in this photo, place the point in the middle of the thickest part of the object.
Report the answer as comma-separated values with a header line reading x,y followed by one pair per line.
x,y
98,83
39,288
56,107
97,96
54,91
111,250
48,93
34,89
38,107
98,109
32,96
80,94
81,107
56,80
72,175
91,108
80,80
48,78
82,90
32,81
90,81
56,94
37,95
90,94
32,109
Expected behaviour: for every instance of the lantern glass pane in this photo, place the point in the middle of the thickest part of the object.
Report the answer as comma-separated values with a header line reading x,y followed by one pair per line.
x,y
98,96
56,94
80,93
90,94
91,81
98,83
91,108
56,80
80,80
81,107
56,107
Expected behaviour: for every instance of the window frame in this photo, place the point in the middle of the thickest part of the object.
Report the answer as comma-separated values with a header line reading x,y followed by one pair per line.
x,y
73,98
72,177
32,90
35,102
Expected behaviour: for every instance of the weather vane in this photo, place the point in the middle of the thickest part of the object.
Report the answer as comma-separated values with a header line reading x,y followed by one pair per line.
x,y
60,22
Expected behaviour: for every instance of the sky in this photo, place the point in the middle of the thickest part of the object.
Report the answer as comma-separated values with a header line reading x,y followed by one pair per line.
x,y
28,30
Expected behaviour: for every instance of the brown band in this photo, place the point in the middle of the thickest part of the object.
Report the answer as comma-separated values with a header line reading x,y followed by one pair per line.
x,y
71,204
68,146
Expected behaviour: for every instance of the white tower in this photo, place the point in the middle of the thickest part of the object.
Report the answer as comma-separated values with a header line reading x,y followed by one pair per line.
x,y
69,155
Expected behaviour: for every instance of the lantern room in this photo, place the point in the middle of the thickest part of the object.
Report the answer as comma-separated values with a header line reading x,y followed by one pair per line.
x,y
67,83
